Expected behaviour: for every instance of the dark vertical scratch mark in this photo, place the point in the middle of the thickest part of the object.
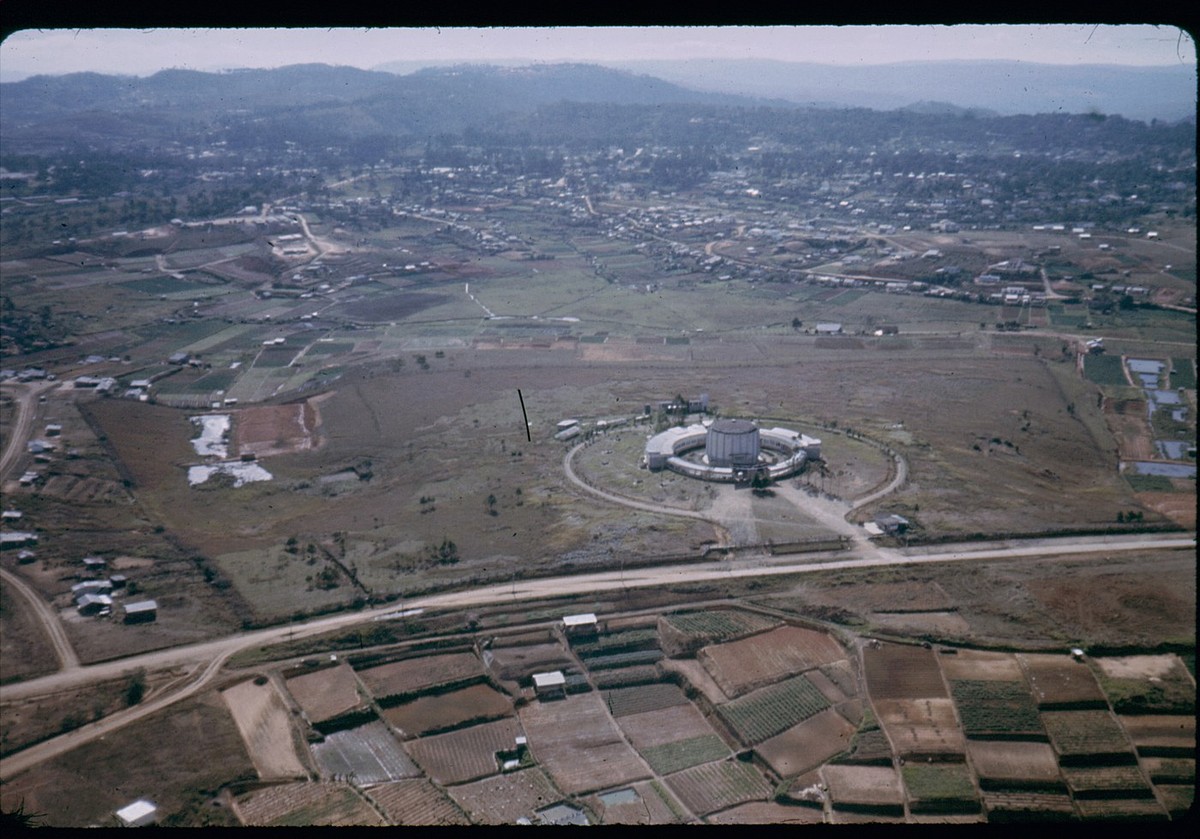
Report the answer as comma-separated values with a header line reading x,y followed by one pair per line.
x,y
524,416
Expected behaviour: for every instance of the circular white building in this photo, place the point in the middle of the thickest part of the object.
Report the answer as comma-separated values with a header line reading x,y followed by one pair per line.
x,y
732,442
732,449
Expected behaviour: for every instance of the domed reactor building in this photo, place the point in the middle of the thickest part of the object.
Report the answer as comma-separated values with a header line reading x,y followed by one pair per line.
x,y
730,451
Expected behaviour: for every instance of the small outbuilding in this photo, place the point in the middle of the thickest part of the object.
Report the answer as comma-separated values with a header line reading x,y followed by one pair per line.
x,y
550,685
580,626
138,814
144,611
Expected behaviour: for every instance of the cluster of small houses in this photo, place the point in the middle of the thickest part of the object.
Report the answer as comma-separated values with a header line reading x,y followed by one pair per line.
x,y
92,596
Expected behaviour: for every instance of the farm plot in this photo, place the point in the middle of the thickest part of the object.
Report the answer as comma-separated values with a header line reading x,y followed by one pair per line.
x,y
644,698
768,812
1060,683
326,693
1106,782
1086,736
1123,809
981,665
643,674
855,787
666,727
266,729
516,664
897,671
368,754
305,804
505,798
415,675
276,429
1014,764
615,642
741,666
996,709
716,786
1023,806
687,632
921,726
808,745
577,742
773,709
443,711
1147,684
940,788
1169,770
1162,735
416,801
466,754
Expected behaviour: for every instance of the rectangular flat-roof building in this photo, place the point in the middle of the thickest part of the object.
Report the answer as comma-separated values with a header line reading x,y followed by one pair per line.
x,y
550,685
138,814
143,611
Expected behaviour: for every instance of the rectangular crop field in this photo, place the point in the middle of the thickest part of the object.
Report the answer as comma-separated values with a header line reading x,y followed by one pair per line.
x,y
465,754
996,708
1083,733
665,725
863,785
716,786
1106,782
939,787
266,728
808,745
306,804
921,726
1105,370
503,799
981,664
1161,734
369,754
666,758
578,744
637,700
740,666
1183,373
897,671
414,675
718,625
415,801
326,693
1059,682
773,709
1009,764
442,711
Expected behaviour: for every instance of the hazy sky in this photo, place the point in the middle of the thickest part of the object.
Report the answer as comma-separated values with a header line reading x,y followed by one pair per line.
x,y
143,52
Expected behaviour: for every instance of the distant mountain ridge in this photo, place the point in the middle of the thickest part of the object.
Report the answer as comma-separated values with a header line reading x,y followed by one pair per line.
x,y
1005,87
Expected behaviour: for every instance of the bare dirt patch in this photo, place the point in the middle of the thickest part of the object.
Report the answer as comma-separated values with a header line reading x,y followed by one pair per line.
x,y
578,744
898,671
506,798
276,429
741,666
327,693
466,754
921,726
807,745
981,664
667,725
1060,682
869,785
1179,507
266,729
445,710
1009,764
417,674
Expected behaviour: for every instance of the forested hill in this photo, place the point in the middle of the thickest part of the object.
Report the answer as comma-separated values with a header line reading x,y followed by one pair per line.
x,y
358,115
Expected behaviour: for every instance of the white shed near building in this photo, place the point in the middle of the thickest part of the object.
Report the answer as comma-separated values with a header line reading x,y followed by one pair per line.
x,y
138,814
